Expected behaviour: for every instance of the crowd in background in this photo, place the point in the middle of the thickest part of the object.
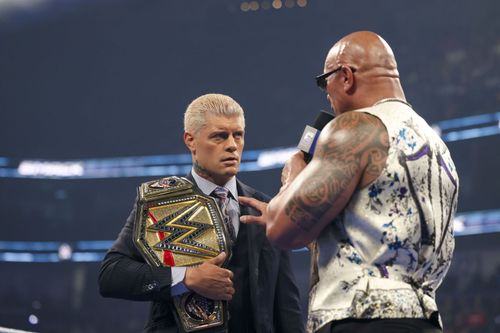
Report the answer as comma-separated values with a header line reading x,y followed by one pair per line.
x,y
453,79
469,298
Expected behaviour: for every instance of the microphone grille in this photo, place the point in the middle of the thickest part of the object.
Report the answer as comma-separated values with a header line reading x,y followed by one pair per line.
x,y
322,119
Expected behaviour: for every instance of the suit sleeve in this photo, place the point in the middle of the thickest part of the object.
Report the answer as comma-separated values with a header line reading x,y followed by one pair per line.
x,y
125,274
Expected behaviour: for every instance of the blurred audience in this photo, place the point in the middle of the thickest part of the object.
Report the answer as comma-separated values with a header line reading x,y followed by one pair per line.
x,y
469,298
462,79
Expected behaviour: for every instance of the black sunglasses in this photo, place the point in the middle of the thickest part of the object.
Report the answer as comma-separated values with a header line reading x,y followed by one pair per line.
x,y
321,80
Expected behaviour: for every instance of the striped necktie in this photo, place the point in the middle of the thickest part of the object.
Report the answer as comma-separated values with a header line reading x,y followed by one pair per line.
x,y
221,195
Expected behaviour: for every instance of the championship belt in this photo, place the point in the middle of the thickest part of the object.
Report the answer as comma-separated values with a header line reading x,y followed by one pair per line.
x,y
178,226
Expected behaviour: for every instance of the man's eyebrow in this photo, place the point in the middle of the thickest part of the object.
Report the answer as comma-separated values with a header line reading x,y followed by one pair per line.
x,y
218,132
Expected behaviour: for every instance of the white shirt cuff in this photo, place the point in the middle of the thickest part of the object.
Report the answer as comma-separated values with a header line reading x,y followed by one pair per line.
x,y
178,287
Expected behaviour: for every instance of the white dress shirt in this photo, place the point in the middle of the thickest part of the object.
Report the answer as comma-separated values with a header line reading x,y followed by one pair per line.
x,y
207,187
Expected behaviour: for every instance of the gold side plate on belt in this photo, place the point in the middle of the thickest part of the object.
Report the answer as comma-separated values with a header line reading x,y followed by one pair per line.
x,y
178,226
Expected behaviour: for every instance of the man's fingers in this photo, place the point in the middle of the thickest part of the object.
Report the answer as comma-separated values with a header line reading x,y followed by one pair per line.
x,y
254,203
227,297
218,260
247,201
300,155
259,206
250,219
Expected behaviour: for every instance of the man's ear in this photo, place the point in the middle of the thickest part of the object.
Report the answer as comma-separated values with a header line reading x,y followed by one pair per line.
x,y
189,141
349,82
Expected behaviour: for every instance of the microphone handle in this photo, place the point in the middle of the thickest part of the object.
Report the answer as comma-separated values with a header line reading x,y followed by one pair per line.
x,y
307,157
322,119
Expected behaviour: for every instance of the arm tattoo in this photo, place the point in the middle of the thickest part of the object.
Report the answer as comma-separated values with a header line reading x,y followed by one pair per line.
x,y
363,150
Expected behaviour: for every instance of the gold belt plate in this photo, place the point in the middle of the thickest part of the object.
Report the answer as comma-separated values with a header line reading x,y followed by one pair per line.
x,y
178,226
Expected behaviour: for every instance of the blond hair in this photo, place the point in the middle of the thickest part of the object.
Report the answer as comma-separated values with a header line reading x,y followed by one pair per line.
x,y
210,104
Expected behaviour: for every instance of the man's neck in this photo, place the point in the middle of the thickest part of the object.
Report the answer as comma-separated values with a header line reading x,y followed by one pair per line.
x,y
202,172
207,185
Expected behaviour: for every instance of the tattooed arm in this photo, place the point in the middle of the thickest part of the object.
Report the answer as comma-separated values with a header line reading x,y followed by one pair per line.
x,y
351,152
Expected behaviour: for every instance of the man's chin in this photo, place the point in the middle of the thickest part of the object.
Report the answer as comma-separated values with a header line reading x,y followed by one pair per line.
x,y
223,177
231,171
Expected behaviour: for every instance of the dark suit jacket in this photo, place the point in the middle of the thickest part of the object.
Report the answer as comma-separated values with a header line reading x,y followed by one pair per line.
x,y
273,292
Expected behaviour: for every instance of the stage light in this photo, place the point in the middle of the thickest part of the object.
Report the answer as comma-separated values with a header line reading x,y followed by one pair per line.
x,y
254,5
65,252
458,224
276,157
244,6
33,320
276,4
50,169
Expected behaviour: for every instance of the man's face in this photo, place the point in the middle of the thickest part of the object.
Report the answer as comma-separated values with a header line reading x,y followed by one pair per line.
x,y
331,87
216,149
331,64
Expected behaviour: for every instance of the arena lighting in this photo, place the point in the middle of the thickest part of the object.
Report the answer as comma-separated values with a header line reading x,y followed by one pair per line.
x,y
65,252
470,133
33,319
471,223
253,6
50,257
83,246
482,119
469,127
180,164
46,169
275,157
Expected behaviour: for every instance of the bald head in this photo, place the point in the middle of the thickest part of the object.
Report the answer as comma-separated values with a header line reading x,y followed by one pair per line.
x,y
369,70
366,52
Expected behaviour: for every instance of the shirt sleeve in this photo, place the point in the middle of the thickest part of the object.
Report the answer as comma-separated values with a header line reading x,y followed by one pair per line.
x,y
178,287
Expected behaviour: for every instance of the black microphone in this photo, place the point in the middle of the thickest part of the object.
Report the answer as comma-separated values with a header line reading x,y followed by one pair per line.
x,y
310,136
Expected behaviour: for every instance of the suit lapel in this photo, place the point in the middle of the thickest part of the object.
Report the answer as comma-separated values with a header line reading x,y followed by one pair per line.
x,y
254,232
255,237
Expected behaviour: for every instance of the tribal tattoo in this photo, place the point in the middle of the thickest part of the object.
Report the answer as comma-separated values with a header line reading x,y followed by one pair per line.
x,y
360,156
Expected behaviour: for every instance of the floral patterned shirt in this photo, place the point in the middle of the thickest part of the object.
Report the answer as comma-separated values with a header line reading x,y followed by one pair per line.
x,y
386,254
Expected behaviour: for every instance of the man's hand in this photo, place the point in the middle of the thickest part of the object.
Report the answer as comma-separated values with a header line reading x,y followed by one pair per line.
x,y
259,206
210,280
292,168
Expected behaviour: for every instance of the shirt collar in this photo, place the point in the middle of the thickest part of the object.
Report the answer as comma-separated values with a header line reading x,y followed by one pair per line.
x,y
207,187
